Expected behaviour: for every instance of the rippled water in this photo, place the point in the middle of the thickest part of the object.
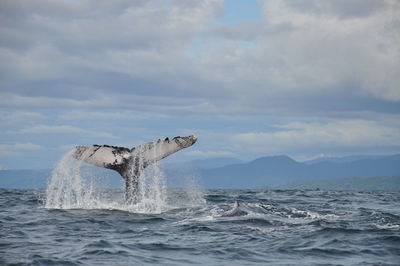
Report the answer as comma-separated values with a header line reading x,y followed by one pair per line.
x,y
280,228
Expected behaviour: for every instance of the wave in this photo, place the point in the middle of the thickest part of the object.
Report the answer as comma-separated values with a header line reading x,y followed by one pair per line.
x,y
277,229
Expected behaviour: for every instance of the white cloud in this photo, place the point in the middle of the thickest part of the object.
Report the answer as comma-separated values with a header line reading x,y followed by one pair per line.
x,y
19,149
64,130
108,114
336,51
297,136
145,60
84,115
136,56
210,154
22,101
139,30
324,49
156,105
20,117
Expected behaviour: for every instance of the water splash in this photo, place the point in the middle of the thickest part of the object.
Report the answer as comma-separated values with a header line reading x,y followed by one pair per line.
x,y
192,189
74,187
152,191
67,189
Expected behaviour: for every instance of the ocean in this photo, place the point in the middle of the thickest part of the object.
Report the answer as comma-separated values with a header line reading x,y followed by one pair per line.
x,y
199,227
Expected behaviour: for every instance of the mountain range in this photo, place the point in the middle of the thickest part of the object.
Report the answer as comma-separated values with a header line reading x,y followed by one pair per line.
x,y
277,171
284,172
380,172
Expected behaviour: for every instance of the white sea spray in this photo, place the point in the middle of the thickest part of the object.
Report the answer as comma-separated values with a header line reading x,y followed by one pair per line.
x,y
74,187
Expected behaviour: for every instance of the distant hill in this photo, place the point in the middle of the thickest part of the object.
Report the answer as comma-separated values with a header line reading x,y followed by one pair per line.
x,y
211,163
344,159
183,174
203,163
277,171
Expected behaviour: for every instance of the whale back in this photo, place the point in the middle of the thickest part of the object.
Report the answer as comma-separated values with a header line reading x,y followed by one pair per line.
x,y
236,211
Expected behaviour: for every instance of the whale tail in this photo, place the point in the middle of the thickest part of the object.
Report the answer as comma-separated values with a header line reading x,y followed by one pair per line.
x,y
130,163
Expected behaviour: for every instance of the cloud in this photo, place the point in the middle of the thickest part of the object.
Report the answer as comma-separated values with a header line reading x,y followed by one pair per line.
x,y
85,115
210,154
19,149
20,117
145,104
132,29
302,55
122,24
22,101
78,68
106,115
300,136
63,130
322,52
140,55
341,9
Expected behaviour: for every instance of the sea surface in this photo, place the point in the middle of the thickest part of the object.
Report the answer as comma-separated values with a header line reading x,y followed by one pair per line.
x,y
199,227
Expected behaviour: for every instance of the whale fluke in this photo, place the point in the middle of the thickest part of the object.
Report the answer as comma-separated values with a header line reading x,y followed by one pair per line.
x,y
130,163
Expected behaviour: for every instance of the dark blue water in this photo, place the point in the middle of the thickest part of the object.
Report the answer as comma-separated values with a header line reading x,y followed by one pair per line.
x,y
288,227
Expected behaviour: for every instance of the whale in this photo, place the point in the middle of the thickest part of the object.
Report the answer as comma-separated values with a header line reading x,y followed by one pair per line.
x,y
130,163
235,211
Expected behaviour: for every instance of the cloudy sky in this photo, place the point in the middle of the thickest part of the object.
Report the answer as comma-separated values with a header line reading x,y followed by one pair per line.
x,y
251,78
